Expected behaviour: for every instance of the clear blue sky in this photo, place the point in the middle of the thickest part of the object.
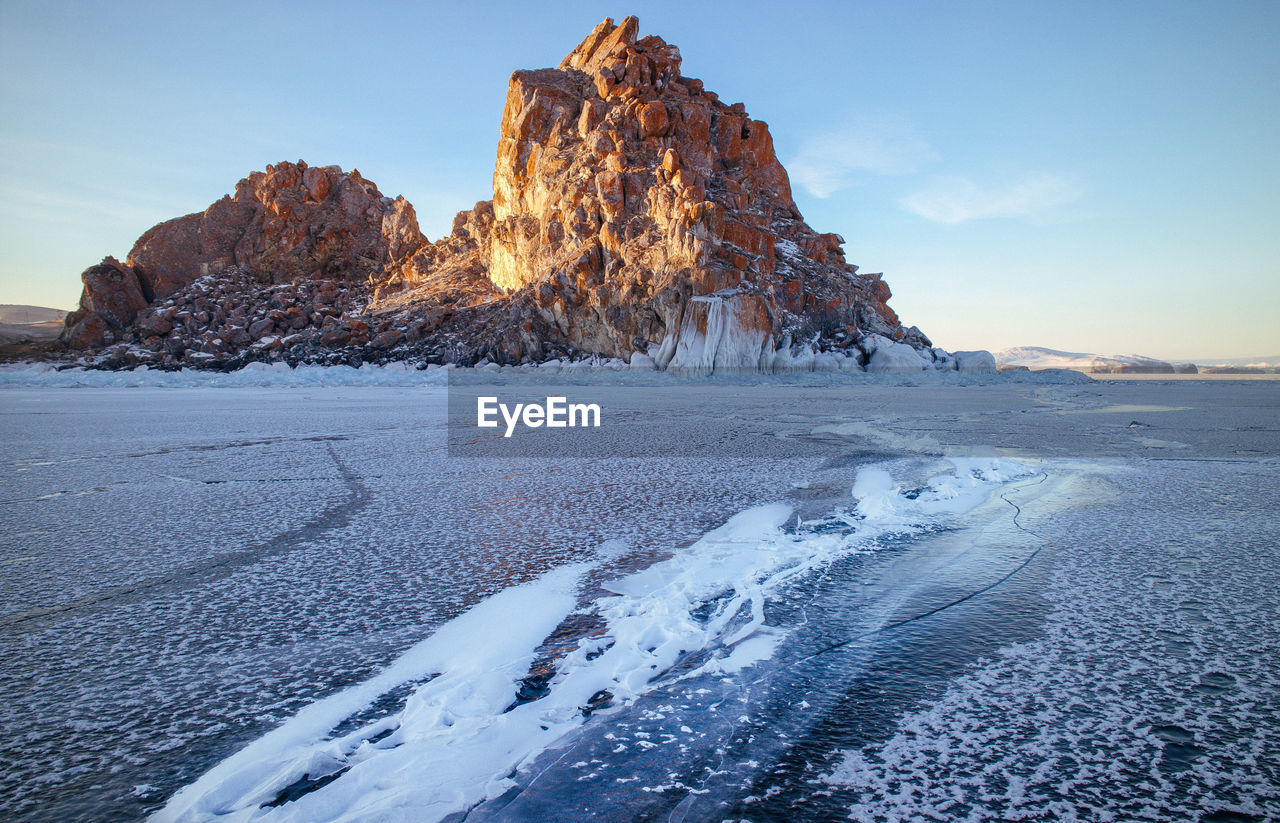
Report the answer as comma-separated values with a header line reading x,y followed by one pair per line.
x,y
1090,176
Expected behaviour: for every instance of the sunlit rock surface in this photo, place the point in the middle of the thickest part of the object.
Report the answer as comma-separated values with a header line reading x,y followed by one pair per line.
x,y
631,208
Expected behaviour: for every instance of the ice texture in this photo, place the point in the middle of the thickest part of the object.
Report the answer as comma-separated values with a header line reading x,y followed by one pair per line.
x,y
186,567
472,663
1153,691
454,744
190,566
716,335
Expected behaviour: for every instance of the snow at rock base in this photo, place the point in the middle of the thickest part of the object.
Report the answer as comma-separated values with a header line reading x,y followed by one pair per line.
x,y
595,370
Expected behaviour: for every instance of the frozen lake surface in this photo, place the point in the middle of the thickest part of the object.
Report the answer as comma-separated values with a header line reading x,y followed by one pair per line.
x,y
1040,600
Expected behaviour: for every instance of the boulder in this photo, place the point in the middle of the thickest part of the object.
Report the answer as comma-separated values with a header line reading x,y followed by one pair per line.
x,y
642,362
826,362
112,297
975,362
154,326
890,357
260,328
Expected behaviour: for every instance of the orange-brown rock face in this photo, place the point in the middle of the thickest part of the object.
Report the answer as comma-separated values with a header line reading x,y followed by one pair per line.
x,y
632,211
291,222
288,223
113,296
622,190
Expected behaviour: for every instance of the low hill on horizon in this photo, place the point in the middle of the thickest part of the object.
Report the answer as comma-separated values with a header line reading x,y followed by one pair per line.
x,y
20,314
20,324
1270,362
1036,358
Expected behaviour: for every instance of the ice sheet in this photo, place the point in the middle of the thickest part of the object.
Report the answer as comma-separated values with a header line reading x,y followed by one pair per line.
x,y
474,663
188,567
460,736
1151,693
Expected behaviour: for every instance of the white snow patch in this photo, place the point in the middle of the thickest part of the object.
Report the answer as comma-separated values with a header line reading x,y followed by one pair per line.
x,y
447,742
454,746
642,361
888,357
975,362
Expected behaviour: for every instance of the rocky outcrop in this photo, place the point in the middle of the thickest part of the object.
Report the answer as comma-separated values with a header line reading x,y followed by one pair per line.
x,y
287,224
291,222
231,318
633,213
625,196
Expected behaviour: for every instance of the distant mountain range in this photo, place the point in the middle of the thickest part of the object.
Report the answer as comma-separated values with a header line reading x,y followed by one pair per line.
x,y
1037,357
1259,362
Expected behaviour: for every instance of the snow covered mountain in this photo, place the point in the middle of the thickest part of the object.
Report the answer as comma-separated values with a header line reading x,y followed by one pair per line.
x,y
1037,357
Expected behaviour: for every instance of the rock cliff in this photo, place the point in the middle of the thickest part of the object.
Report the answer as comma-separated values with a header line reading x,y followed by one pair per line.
x,y
634,215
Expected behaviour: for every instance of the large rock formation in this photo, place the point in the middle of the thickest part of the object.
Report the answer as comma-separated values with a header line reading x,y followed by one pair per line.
x,y
289,223
632,212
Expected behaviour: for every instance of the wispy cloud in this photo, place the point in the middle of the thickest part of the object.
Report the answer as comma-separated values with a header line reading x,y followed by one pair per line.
x,y
834,160
959,199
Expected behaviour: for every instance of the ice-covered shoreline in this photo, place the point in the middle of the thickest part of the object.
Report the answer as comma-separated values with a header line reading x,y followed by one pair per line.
x,y
276,375
281,375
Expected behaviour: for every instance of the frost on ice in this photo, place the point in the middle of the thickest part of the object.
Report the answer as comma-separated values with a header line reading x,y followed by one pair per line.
x,y
463,733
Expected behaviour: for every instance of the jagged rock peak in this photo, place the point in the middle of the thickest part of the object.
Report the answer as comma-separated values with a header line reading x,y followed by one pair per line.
x,y
622,190
620,65
633,213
